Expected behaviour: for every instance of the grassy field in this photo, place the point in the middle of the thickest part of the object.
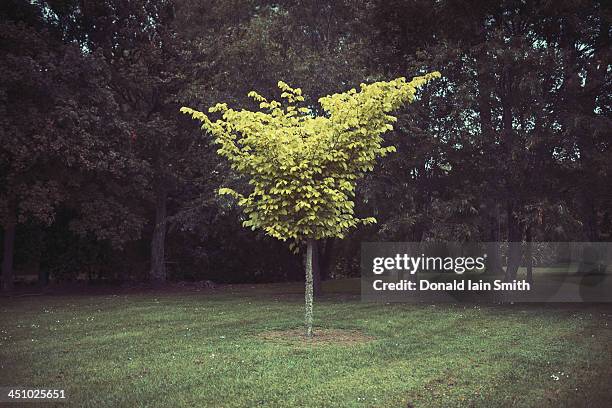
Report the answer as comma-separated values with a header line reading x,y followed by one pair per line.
x,y
223,348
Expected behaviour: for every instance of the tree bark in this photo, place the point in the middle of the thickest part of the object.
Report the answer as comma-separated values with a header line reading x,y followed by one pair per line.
x,y
7,255
309,287
158,242
511,180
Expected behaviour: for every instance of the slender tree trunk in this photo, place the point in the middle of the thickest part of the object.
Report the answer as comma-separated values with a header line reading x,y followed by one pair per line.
x,y
158,242
529,255
512,181
486,85
7,255
309,287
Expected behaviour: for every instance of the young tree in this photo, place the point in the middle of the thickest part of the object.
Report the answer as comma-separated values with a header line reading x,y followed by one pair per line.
x,y
303,167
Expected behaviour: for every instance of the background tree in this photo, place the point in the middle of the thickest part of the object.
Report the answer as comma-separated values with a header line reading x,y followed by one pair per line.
x,y
58,137
146,58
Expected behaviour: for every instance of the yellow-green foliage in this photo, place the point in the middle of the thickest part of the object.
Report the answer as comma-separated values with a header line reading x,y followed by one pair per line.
x,y
303,167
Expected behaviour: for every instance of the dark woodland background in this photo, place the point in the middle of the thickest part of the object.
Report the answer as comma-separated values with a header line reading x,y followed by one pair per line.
x,y
101,177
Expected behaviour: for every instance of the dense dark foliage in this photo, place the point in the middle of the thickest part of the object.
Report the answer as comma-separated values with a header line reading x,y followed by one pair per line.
x,y
101,177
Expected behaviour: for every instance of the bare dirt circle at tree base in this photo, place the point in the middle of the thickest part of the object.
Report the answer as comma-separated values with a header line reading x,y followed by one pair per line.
x,y
321,337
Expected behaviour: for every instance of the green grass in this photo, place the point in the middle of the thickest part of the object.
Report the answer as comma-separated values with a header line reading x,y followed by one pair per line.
x,y
204,350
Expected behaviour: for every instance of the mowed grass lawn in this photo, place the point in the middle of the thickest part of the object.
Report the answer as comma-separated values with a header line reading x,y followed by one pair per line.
x,y
205,349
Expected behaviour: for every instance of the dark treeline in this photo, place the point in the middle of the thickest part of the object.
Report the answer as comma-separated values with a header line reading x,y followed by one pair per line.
x,y
102,178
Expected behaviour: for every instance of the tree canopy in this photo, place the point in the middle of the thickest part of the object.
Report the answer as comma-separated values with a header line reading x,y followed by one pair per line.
x,y
302,166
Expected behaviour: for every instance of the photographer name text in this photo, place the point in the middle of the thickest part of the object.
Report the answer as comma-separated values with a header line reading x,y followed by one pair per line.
x,y
454,285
